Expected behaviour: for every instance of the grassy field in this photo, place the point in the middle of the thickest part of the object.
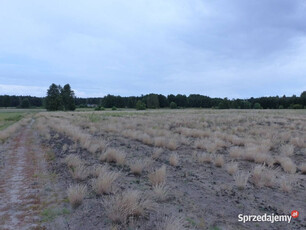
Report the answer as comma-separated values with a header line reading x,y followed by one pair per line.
x,y
8,118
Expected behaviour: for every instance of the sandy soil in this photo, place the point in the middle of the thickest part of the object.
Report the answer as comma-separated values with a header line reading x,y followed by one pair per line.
x,y
201,193
23,182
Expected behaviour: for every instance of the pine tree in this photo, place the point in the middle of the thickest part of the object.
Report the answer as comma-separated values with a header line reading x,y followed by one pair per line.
x,y
54,100
68,98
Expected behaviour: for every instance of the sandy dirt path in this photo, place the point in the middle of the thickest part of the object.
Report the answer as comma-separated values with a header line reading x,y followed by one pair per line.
x,y
22,161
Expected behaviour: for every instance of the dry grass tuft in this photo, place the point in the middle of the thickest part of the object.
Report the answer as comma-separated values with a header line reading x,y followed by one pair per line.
x,y
241,179
76,194
127,204
172,144
219,161
257,175
232,168
263,176
204,158
235,152
287,164
137,166
80,172
73,161
161,192
262,158
287,150
174,223
156,153
174,159
160,142
286,184
113,155
104,183
303,168
99,170
158,177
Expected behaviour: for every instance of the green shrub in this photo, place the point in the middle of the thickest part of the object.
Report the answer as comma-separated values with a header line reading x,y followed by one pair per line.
x,y
173,105
25,103
281,107
99,108
140,105
297,106
257,106
114,108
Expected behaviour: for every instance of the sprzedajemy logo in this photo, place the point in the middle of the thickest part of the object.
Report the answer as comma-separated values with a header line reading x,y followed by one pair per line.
x,y
268,217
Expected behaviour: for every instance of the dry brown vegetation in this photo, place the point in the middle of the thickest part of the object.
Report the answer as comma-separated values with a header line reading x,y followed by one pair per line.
x,y
76,194
192,163
104,183
161,192
174,223
130,203
232,168
174,159
137,166
113,155
158,176
241,179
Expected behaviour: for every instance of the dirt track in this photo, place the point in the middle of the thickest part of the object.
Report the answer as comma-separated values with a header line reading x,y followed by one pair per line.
x,y
22,162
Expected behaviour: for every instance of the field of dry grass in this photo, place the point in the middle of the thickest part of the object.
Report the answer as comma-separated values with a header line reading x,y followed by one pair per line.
x,y
178,169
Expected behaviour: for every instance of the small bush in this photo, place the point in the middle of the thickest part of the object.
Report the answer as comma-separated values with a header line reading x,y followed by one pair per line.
x,y
104,183
138,166
156,153
297,106
174,159
76,194
127,204
113,155
161,192
204,158
172,144
232,168
263,176
257,106
288,165
80,172
140,105
241,179
159,176
99,108
114,108
219,161
173,105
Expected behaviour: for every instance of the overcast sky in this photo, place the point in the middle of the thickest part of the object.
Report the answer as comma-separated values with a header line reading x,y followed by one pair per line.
x,y
219,48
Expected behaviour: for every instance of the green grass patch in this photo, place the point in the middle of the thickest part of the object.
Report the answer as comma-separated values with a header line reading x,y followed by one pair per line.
x,y
214,228
191,221
50,214
7,118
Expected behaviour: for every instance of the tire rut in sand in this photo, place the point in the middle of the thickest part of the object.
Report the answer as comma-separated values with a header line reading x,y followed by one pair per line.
x,y
23,162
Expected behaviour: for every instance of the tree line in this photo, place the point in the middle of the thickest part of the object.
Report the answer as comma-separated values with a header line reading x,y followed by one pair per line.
x,y
194,101
63,98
